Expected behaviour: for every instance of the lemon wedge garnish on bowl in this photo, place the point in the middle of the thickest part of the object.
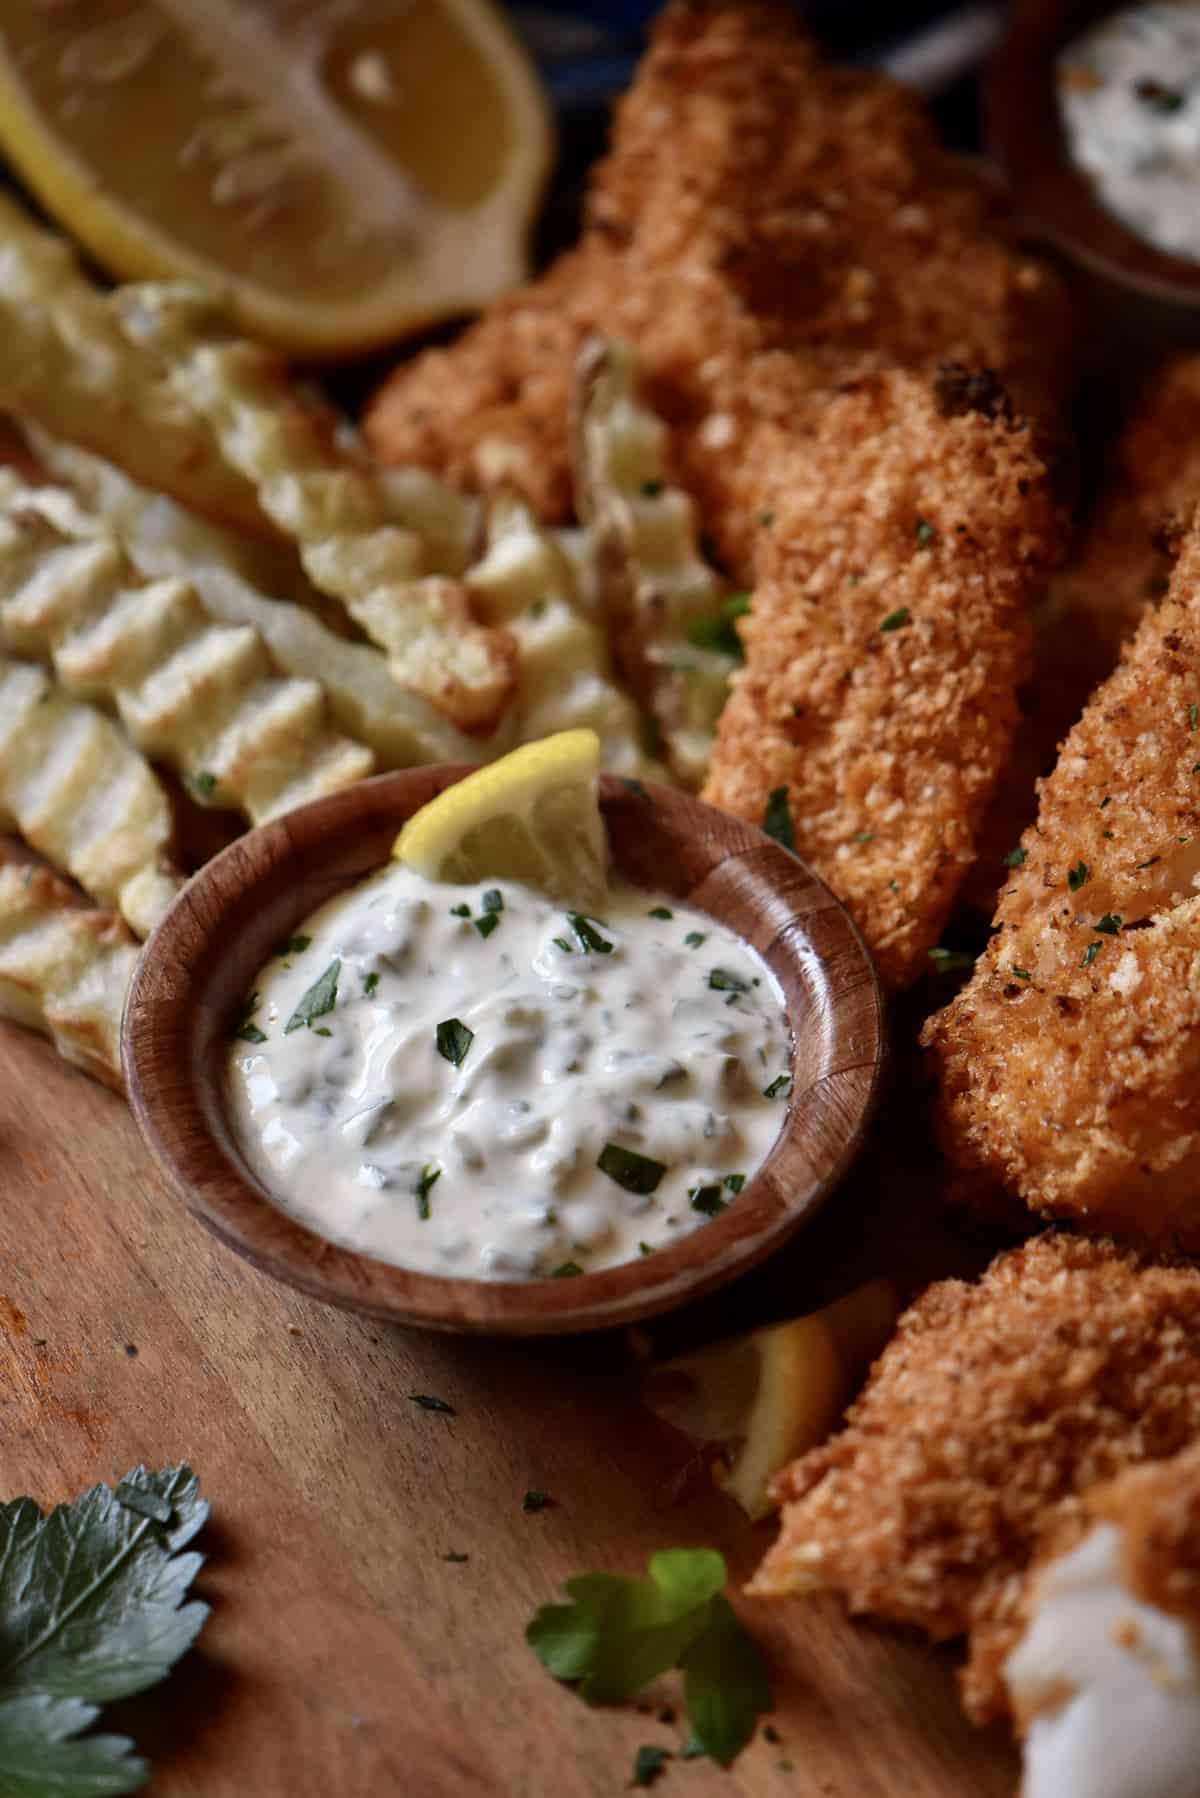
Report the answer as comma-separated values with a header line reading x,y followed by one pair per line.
x,y
338,174
533,817
765,1398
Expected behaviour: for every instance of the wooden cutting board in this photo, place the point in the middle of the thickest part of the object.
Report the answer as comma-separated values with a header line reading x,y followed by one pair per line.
x,y
345,1658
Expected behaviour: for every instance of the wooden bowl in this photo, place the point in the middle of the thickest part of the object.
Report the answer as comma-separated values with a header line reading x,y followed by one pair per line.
x,y
1144,292
207,951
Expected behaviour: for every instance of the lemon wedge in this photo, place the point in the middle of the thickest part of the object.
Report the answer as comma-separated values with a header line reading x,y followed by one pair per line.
x,y
533,816
767,1397
339,174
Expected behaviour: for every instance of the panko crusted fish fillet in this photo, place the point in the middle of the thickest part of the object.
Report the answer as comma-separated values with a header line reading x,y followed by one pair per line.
x,y
1105,1678
888,633
754,198
1069,1065
995,1408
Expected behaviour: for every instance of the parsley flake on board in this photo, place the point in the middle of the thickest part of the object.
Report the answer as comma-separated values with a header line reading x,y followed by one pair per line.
x,y
91,1596
538,1501
453,1555
777,818
587,936
895,621
648,1763
428,1402
636,1173
616,1635
454,1039
244,1029
1078,876
320,999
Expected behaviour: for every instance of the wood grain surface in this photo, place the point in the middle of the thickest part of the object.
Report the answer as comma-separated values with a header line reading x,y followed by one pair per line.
x,y
344,1658
207,954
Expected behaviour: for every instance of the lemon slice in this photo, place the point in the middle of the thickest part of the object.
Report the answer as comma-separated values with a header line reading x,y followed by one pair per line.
x,y
767,1397
533,817
339,173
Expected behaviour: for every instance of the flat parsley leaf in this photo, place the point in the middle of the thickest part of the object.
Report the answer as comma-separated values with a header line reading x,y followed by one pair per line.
x,y
618,1634
91,1609
320,998
453,1039
777,818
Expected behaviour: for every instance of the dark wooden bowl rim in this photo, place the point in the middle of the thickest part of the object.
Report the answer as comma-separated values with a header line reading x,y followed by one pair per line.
x,y
203,958
1055,200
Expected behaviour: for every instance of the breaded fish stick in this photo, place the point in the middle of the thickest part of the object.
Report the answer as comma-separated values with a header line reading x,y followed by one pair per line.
x,y
887,636
754,198
1069,1065
993,1411
64,969
1105,1678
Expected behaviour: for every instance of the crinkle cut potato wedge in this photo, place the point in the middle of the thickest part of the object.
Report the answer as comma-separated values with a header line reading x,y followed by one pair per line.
x,y
661,600
341,175
81,795
526,583
66,364
1069,1065
335,507
204,697
161,539
64,969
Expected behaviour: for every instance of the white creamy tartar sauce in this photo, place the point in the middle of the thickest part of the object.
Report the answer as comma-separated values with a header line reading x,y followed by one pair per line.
x,y
1106,1686
1129,93
477,1082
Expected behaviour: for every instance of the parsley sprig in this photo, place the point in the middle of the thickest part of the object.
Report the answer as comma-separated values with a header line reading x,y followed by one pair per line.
x,y
616,1635
92,1600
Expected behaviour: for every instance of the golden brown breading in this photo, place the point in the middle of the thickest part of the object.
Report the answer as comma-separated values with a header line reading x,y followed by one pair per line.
x,y
754,198
888,634
995,1407
1157,1510
1070,1063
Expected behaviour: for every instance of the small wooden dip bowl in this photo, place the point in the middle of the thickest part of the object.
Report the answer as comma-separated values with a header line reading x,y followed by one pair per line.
x,y
1147,293
207,952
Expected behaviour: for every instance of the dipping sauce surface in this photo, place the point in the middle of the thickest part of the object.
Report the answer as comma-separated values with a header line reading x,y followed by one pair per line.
x,y
476,1082
1129,91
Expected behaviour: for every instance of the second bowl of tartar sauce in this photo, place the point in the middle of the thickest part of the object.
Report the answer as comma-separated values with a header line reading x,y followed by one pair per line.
x,y
473,1107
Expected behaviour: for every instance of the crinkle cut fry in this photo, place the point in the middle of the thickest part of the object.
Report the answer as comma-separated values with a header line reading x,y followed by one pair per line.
x,y
66,364
206,698
81,795
1068,1064
755,198
888,634
64,970
334,506
657,592
995,1408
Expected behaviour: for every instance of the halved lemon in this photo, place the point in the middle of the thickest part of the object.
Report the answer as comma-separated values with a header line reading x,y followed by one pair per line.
x,y
340,174
765,1398
533,816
